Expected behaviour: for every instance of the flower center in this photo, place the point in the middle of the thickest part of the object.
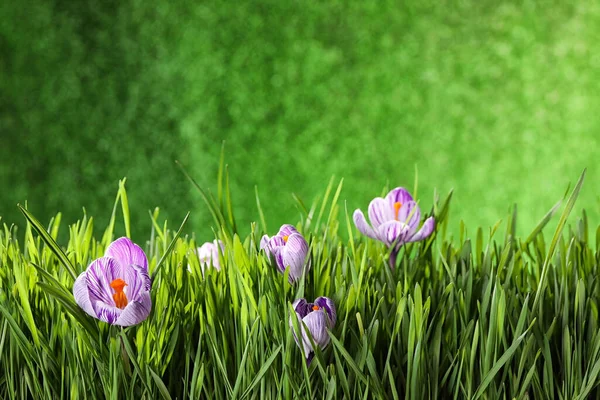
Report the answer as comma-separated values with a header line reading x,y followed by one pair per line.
x,y
285,238
119,296
397,206
316,308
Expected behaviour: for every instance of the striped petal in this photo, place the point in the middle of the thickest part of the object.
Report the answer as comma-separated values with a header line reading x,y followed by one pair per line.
x,y
294,255
393,233
138,280
305,343
410,214
379,212
105,312
264,241
316,323
302,307
278,256
425,231
81,294
100,274
287,230
136,311
276,241
362,225
127,253
329,306
396,195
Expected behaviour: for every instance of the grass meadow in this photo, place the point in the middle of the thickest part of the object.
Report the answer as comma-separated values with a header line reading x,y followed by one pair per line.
x,y
484,315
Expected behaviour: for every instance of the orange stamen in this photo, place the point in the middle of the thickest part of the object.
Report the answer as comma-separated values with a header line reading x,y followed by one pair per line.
x,y
285,238
316,308
397,206
119,297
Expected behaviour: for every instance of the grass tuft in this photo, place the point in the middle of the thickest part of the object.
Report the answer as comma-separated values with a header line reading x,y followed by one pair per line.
x,y
488,316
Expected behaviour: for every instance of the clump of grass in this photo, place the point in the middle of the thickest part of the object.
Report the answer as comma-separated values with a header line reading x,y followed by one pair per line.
x,y
485,317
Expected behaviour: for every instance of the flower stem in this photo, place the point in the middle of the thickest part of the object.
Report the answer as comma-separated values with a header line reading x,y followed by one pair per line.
x,y
393,257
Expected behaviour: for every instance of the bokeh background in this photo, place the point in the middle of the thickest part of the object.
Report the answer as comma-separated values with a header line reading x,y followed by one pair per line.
x,y
498,100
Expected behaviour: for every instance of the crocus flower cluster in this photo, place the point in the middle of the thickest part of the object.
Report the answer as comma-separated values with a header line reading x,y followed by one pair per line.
x,y
314,319
289,249
116,288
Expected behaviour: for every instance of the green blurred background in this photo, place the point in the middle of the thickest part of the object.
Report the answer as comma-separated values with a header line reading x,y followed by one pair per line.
x,y
498,100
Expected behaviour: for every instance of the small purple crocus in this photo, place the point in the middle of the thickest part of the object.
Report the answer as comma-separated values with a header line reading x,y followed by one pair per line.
x,y
394,220
208,254
116,288
289,249
318,317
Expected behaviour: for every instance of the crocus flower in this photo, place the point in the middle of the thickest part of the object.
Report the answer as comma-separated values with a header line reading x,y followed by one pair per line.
x,y
208,255
318,317
116,288
394,220
289,249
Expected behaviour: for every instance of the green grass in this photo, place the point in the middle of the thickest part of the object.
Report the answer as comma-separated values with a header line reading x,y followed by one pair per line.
x,y
489,316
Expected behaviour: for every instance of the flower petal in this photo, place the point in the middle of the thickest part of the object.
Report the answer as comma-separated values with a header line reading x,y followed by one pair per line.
x,y
81,294
278,256
264,241
329,306
406,212
138,280
294,255
301,307
398,194
276,241
425,231
316,322
205,251
100,274
307,348
393,232
208,254
136,311
379,212
107,313
127,253
362,225
287,230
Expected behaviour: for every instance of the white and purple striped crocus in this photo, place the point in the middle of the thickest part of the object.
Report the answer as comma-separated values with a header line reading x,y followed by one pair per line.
x,y
289,249
116,288
394,220
318,318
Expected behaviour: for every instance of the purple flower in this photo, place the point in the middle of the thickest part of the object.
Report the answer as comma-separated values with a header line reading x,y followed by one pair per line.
x,y
116,288
394,220
289,249
208,255
318,317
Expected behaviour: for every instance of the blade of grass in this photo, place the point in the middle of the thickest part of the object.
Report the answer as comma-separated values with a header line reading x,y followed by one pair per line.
x,y
160,384
49,241
555,239
170,247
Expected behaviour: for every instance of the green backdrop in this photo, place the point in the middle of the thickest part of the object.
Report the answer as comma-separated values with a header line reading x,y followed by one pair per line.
x,y
498,100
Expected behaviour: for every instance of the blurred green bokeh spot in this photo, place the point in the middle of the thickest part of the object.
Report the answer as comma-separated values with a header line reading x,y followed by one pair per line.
x,y
498,100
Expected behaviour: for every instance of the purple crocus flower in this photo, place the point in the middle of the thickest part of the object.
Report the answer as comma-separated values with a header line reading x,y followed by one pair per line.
x,y
394,220
208,254
116,288
318,317
289,249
